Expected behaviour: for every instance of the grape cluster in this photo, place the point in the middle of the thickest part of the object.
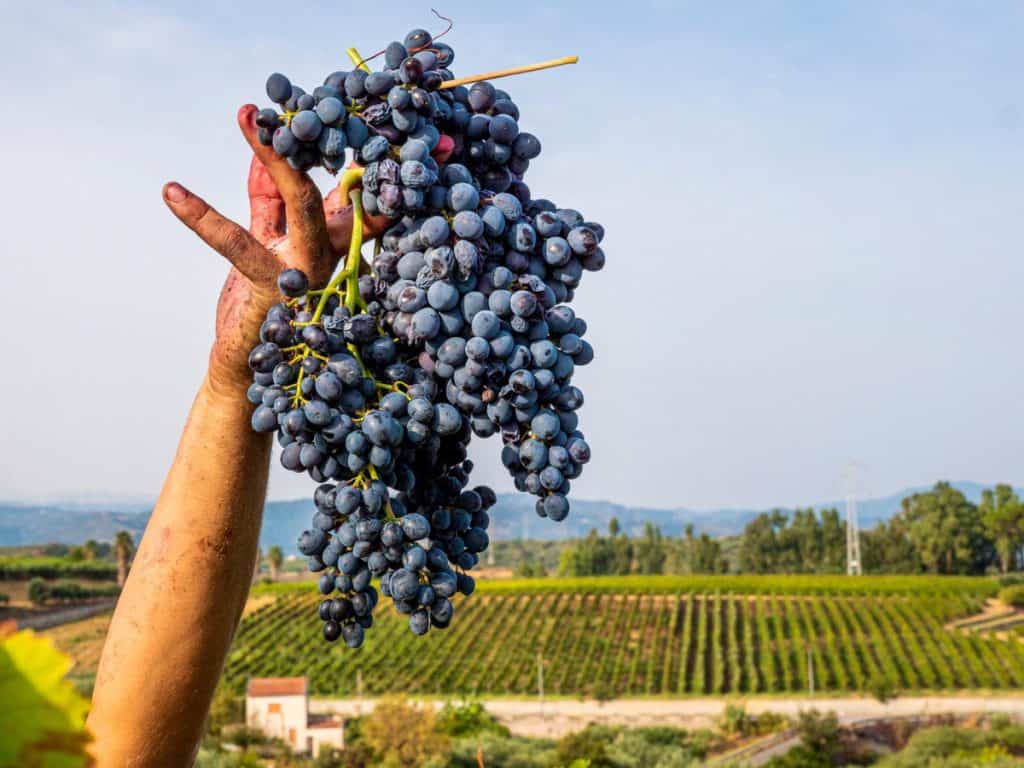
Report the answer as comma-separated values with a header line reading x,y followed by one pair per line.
x,y
376,383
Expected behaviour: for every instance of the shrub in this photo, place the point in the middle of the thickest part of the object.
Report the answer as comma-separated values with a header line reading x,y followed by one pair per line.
x,y
529,569
819,742
461,720
246,737
602,690
930,745
71,590
400,734
733,721
590,744
883,690
1013,595
502,752
652,748
818,732
4,598
950,747
37,591
208,758
227,708
40,591
662,735
329,757
800,757
736,722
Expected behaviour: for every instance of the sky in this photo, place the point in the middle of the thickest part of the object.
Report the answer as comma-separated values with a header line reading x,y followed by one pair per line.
x,y
813,212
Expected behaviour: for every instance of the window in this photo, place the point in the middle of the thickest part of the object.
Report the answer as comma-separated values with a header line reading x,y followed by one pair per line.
x,y
274,709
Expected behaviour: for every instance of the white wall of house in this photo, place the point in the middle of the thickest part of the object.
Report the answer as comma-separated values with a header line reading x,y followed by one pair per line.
x,y
286,718
280,717
326,737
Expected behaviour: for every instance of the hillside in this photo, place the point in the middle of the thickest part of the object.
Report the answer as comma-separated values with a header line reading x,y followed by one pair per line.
x,y
512,518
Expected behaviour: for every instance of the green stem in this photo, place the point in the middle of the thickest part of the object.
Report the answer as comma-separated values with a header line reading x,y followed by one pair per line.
x,y
355,255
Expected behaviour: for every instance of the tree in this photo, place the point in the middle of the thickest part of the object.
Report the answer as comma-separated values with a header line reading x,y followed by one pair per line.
x,y
833,542
1002,514
650,551
888,548
621,549
91,550
707,556
591,556
528,568
402,734
760,548
275,557
124,548
38,592
257,565
947,531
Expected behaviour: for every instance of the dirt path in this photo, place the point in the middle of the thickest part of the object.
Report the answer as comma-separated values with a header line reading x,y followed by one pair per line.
x,y
556,718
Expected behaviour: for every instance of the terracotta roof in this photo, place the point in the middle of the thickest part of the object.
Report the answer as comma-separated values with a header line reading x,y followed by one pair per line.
x,y
322,722
276,686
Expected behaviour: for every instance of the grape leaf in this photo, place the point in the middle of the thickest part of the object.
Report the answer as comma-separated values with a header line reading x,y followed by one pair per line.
x,y
42,716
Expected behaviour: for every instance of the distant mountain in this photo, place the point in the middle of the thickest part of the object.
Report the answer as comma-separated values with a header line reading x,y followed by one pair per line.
x,y
22,524
513,517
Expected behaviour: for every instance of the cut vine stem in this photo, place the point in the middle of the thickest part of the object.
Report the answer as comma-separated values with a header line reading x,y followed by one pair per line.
x,y
510,71
361,63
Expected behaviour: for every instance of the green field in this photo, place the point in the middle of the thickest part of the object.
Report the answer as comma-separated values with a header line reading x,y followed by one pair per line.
x,y
650,636
28,567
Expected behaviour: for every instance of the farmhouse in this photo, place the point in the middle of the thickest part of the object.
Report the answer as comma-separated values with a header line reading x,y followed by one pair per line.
x,y
279,706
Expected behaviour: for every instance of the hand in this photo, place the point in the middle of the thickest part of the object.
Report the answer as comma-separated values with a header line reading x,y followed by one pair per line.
x,y
291,225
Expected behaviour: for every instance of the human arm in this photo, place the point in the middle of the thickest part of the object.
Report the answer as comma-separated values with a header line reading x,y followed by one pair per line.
x,y
177,614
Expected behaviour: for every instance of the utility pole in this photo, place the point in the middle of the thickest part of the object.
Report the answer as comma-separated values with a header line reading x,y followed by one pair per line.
x,y
810,672
853,561
540,681
359,691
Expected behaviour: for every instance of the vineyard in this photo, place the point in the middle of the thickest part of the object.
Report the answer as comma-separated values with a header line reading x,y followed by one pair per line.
x,y
651,636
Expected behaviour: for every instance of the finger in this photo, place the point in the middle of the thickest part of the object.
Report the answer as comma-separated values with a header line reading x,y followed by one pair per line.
x,y
223,235
304,211
266,207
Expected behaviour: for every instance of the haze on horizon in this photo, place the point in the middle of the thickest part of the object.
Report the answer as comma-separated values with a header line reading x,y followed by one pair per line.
x,y
813,216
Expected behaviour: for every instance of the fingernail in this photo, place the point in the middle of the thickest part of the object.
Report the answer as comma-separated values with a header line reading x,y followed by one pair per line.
x,y
175,192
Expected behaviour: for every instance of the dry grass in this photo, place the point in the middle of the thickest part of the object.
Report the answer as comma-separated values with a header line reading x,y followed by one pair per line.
x,y
82,640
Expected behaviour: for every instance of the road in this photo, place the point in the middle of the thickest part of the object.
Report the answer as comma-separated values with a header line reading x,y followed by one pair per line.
x,y
66,615
554,718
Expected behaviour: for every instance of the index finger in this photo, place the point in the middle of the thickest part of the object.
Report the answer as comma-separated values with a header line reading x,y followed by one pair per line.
x,y
307,229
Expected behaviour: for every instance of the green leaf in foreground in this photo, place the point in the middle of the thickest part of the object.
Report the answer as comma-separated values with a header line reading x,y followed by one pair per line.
x,y
42,716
